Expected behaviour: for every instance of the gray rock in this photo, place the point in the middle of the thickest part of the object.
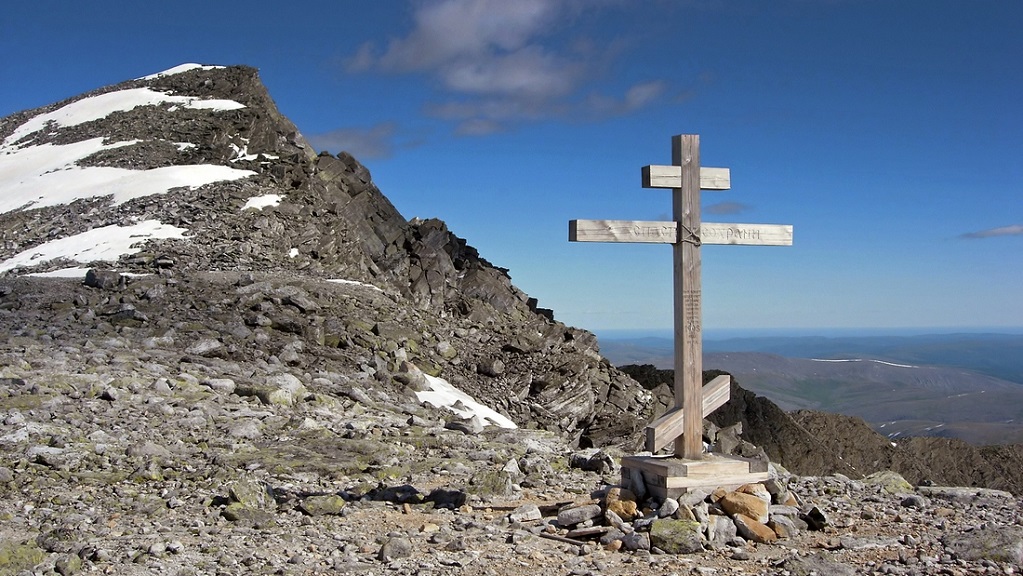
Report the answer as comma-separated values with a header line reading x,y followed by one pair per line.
x,y
914,501
992,543
323,505
525,513
206,347
578,514
395,548
668,508
636,541
720,530
816,565
966,495
471,426
104,279
637,483
225,385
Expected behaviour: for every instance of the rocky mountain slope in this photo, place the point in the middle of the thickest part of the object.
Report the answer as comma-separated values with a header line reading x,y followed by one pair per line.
x,y
223,353
198,170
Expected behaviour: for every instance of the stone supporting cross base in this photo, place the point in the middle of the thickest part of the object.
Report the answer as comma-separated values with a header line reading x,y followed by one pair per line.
x,y
670,477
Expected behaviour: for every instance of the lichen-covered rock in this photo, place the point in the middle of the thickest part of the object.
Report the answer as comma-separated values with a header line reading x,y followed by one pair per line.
x,y
889,481
321,505
676,536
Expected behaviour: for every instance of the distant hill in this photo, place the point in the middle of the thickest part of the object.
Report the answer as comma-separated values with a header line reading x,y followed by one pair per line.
x,y
809,442
943,385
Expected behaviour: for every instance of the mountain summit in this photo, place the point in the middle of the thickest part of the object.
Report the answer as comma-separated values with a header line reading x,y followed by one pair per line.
x,y
193,174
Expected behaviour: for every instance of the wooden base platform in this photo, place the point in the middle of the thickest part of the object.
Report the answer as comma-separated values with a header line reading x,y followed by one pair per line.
x,y
670,477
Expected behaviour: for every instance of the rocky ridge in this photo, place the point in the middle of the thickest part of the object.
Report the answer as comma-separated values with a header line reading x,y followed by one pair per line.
x,y
320,217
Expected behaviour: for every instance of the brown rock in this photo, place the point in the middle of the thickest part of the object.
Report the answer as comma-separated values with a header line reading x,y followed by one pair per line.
x,y
740,503
622,502
758,490
755,531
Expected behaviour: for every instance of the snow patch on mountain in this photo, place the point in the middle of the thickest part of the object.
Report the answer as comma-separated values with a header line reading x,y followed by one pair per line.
x,y
443,395
107,243
103,105
264,201
179,69
48,175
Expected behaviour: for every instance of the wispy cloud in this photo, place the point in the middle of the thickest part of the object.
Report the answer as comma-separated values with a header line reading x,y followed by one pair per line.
x,y
374,142
495,63
1014,230
724,208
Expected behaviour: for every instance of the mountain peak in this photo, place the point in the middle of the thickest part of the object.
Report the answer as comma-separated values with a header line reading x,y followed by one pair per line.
x,y
193,171
195,165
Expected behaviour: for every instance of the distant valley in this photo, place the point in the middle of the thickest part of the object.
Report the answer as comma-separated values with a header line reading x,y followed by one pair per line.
x,y
966,386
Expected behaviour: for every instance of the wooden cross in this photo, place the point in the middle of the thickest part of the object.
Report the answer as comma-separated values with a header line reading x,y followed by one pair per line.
x,y
683,424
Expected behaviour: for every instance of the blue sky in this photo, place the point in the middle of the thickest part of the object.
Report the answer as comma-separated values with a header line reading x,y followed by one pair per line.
x,y
889,134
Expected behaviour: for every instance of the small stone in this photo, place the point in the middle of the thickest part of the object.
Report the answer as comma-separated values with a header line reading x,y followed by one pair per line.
x,y
814,518
783,526
323,505
578,514
720,530
914,501
668,508
110,394
68,565
636,541
756,489
525,513
395,547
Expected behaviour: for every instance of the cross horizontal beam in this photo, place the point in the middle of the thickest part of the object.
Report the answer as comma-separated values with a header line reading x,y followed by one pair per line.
x,y
671,177
667,232
665,429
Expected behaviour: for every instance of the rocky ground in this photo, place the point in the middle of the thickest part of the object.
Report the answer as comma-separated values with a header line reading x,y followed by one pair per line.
x,y
129,452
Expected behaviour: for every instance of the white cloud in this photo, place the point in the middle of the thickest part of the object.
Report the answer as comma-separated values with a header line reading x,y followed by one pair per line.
x,y
722,208
1014,230
496,62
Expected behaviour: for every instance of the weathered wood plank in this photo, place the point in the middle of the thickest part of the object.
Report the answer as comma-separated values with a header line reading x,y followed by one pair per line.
x,y
665,429
667,232
671,177
706,481
746,234
622,231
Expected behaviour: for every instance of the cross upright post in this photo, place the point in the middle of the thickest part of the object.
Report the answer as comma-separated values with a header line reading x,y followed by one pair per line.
x,y
685,201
